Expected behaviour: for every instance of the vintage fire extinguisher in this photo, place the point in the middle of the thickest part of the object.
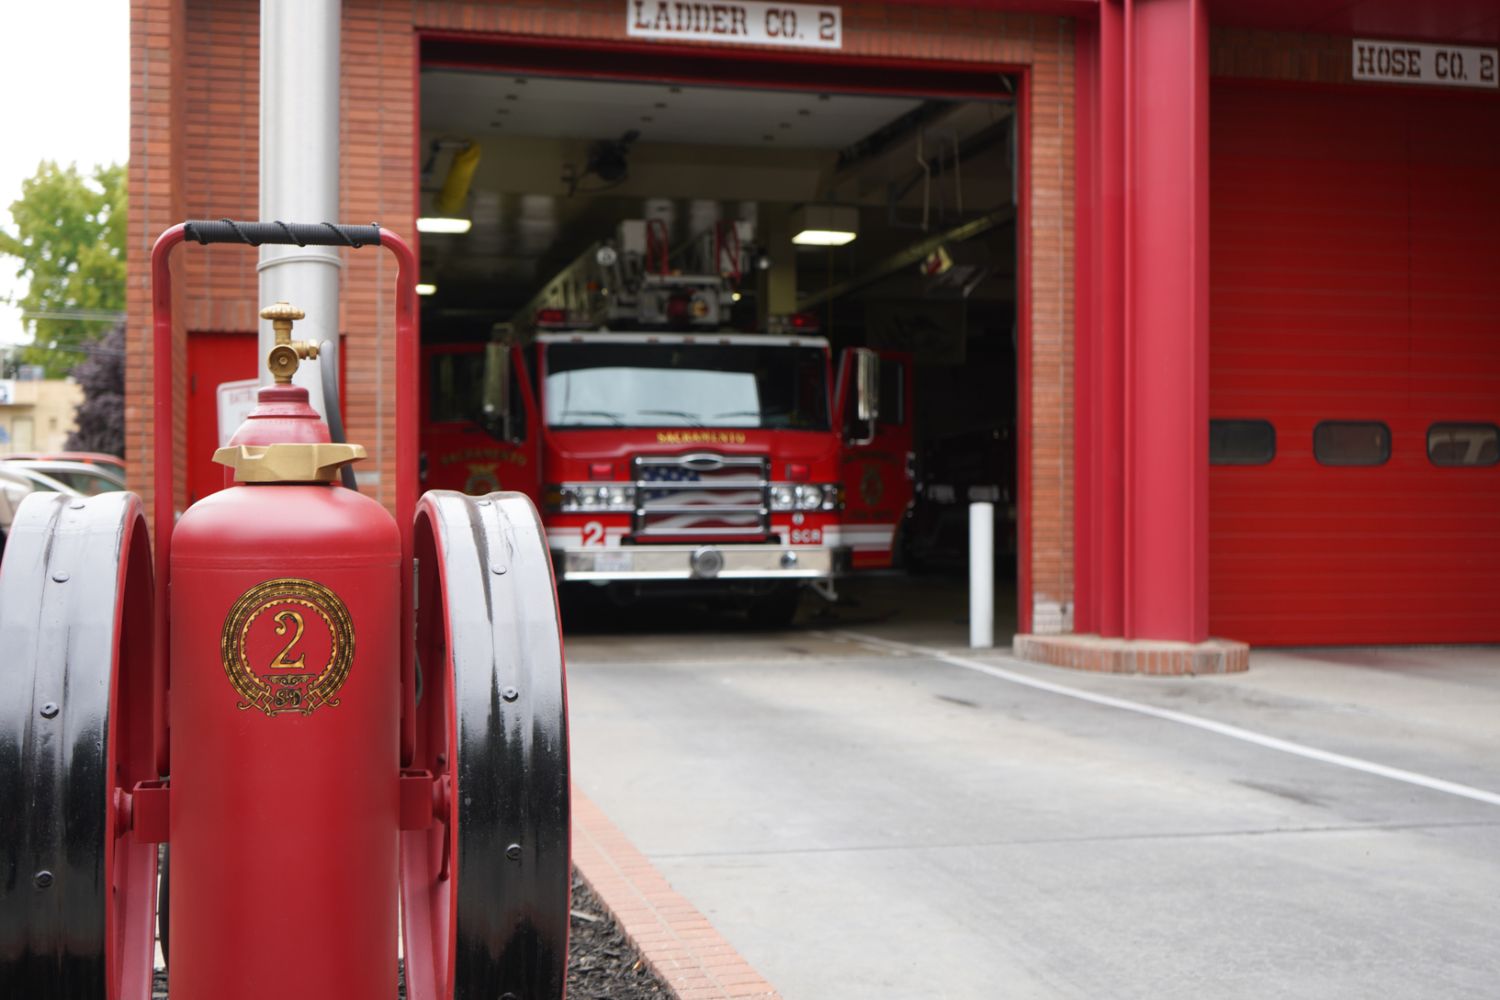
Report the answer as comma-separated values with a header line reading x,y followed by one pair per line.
x,y
322,709
284,711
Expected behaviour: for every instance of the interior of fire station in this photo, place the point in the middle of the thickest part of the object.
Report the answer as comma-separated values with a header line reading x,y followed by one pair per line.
x,y
884,221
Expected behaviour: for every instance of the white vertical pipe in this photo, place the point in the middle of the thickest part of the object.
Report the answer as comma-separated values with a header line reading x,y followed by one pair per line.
x,y
299,167
981,575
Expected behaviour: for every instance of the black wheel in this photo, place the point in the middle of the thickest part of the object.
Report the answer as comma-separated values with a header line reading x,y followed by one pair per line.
x,y
485,894
776,609
77,896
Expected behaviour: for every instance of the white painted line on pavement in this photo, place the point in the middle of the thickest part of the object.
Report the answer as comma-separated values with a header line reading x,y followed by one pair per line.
x,y
1184,719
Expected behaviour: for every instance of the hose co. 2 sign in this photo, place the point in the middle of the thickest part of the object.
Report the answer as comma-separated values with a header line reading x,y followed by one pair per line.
x,y
788,24
1438,65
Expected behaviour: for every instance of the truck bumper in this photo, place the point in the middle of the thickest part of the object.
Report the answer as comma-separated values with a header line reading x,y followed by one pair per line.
x,y
698,562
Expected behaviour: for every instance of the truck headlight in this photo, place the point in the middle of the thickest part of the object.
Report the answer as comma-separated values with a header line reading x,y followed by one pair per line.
x,y
807,496
570,498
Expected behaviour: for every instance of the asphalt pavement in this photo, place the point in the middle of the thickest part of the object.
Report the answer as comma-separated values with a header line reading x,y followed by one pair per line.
x,y
865,808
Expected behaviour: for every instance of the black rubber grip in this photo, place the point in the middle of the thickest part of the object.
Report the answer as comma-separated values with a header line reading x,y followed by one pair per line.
x,y
302,234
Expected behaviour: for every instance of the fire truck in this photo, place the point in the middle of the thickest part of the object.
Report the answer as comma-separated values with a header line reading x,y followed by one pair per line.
x,y
669,451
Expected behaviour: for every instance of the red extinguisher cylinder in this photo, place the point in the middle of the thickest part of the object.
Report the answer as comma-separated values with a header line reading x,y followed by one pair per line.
x,y
284,712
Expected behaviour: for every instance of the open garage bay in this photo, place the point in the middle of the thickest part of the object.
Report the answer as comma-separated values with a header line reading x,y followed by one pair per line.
x,y
864,816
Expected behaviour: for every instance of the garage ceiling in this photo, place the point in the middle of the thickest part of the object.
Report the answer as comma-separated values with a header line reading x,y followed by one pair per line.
x,y
732,147
481,104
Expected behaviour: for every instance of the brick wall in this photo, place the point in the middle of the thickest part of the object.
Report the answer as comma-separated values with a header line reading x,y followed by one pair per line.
x,y
194,154
157,78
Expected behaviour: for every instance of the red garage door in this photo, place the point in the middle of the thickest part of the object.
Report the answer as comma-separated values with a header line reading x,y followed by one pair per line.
x,y
1355,319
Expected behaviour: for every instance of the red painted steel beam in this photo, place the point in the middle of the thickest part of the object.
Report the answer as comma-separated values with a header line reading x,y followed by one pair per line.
x,y
1099,420
724,66
1109,470
1066,8
1166,321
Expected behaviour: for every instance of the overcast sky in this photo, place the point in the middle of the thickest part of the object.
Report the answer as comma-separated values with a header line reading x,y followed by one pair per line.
x,y
65,81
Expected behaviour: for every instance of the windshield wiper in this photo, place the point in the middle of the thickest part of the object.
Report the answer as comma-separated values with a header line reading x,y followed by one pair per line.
x,y
737,413
692,418
617,418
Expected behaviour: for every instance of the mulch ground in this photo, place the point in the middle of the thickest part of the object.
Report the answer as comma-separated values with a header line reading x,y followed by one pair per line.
x,y
602,964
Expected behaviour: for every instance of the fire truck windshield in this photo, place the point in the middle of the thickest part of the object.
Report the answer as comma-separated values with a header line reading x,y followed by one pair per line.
x,y
771,386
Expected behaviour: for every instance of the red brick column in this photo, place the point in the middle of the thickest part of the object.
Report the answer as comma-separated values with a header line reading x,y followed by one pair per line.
x,y
158,34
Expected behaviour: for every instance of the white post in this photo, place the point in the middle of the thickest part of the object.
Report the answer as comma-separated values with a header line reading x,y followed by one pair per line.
x,y
299,168
981,575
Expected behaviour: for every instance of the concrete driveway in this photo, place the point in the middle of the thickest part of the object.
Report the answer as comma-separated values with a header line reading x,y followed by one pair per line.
x,y
861,817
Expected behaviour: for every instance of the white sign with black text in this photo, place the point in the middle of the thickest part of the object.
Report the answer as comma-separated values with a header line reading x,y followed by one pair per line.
x,y
803,25
1439,65
236,401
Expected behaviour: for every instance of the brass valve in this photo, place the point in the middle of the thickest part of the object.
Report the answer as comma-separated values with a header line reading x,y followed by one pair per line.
x,y
287,354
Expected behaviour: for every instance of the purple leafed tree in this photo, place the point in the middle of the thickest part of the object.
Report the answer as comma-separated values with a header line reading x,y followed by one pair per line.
x,y
101,417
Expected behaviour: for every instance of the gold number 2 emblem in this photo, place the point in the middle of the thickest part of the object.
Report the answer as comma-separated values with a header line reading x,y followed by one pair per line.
x,y
281,662
309,627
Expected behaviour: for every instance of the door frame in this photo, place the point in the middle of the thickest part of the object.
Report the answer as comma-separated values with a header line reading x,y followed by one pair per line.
x,y
780,69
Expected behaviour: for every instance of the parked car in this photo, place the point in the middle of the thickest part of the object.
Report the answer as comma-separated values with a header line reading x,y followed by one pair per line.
x,y
113,463
86,478
15,484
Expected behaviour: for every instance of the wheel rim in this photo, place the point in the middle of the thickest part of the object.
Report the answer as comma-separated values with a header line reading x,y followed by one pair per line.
x,y
492,728
76,622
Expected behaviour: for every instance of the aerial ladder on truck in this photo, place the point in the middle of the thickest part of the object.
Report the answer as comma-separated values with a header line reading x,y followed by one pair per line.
x,y
673,454
634,280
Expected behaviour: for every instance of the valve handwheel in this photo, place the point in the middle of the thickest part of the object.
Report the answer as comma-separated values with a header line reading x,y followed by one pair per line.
x,y
78,892
485,890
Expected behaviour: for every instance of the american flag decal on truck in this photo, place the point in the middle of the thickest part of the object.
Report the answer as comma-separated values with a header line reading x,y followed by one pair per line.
x,y
703,496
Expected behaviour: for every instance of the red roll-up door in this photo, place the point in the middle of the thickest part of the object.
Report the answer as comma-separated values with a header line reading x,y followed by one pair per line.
x,y
1355,254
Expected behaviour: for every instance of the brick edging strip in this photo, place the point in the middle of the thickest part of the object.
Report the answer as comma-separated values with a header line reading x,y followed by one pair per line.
x,y
1134,656
677,940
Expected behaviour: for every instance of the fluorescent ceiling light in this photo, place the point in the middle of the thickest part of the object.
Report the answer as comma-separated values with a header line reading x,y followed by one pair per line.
x,y
425,289
439,224
823,238
824,225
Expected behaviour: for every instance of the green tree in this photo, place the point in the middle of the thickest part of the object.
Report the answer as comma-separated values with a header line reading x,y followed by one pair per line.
x,y
69,237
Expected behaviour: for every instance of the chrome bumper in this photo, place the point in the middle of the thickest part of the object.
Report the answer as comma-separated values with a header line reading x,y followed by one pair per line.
x,y
695,562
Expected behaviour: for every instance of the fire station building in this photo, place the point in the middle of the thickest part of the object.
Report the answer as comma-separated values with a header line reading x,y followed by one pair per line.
x,y
1209,290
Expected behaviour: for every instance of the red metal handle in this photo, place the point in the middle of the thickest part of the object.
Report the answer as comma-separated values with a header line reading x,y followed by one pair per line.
x,y
163,515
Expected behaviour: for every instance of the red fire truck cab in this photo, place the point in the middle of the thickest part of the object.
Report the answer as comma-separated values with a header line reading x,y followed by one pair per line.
x,y
747,464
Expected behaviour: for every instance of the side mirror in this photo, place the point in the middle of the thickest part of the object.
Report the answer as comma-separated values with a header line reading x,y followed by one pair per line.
x,y
497,401
867,384
861,429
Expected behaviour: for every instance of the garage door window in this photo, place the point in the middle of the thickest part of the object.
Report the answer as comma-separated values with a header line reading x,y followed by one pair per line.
x,y
1463,444
1241,442
1348,442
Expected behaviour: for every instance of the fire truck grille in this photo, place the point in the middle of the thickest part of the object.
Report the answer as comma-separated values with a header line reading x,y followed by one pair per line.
x,y
701,495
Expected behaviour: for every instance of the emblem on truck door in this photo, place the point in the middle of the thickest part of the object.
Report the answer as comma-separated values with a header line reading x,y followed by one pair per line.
x,y
287,647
